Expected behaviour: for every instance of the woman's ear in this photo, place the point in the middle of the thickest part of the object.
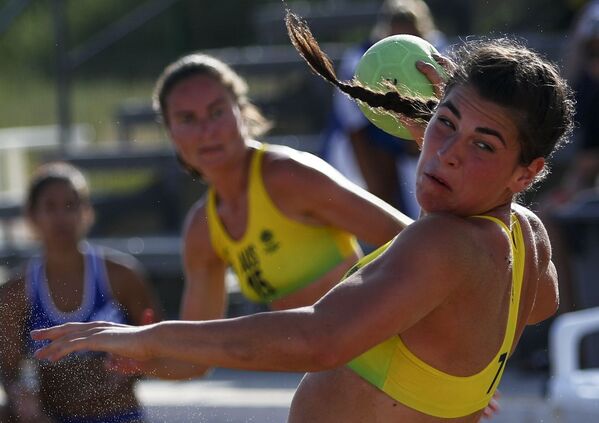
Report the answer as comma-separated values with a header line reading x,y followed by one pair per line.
x,y
525,175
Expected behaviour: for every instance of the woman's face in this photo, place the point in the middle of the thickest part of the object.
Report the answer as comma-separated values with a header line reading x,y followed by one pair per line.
x,y
60,218
205,123
469,161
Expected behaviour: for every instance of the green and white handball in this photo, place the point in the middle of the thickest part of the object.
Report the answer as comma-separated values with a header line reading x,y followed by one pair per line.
x,y
393,59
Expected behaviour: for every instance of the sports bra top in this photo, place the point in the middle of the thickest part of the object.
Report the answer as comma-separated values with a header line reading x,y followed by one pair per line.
x,y
276,255
394,369
97,301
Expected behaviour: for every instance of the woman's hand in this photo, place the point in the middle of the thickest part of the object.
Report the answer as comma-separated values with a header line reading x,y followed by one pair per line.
x,y
437,80
129,366
122,340
493,408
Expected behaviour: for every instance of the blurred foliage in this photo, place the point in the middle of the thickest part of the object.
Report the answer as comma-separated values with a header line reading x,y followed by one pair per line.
x,y
28,44
464,17
128,67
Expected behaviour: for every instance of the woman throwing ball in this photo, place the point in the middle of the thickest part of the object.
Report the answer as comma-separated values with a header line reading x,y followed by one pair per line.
x,y
421,331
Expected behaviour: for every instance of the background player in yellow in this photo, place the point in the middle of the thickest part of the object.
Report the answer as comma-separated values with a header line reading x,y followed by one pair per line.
x,y
284,220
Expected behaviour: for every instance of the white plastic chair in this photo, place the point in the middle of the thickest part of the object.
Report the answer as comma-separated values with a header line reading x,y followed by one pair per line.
x,y
572,391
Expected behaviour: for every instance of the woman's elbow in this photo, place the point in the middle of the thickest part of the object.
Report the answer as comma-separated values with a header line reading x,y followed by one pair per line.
x,y
324,353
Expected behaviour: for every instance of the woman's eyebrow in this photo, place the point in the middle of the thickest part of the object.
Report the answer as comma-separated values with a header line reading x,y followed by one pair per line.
x,y
452,107
493,132
483,130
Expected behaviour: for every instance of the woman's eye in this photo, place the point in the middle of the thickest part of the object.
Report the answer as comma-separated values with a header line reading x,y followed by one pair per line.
x,y
72,205
184,118
216,113
446,122
484,146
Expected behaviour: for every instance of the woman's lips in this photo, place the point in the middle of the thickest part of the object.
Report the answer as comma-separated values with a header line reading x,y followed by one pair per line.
x,y
438,180
210,150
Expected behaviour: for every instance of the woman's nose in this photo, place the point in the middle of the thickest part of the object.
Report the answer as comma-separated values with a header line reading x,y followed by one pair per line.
x,y
203,128
449,153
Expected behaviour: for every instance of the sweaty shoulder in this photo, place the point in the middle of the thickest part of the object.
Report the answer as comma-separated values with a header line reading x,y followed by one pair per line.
x,y
446,227
542,293
444,239
534,231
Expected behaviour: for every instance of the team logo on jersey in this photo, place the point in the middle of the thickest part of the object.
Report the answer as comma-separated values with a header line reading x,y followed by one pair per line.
x,y
250,265
268,241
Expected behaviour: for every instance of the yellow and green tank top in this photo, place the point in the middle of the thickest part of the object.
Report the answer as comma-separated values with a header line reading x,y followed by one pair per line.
x,y
391,366
276,255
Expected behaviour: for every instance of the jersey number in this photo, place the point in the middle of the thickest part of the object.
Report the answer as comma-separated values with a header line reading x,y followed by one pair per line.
x,y
502,359
260,286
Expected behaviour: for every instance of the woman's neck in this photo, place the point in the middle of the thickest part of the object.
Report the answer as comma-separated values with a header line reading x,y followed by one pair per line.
x,y
231,184
502,212
65,257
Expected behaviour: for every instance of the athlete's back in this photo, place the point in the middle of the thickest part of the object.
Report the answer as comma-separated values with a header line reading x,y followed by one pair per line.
x,y
459,337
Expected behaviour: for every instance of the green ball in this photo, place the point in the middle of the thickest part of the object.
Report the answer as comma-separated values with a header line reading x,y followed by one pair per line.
x,y
394,59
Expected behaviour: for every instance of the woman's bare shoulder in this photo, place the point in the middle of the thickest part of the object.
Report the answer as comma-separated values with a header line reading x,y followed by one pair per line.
x,y
13,291
534,229
287,165
196,215
196,239
121,265
447,237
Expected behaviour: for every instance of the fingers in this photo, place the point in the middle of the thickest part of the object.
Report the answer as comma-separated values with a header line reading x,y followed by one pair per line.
x,y
493,407
67,338
445,62
49,334
437,80
61,347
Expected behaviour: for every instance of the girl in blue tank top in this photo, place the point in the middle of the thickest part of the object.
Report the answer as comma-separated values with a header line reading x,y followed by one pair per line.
x,y
69,280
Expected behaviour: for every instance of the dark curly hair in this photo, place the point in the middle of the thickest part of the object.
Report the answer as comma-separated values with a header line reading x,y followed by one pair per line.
x,y
502,71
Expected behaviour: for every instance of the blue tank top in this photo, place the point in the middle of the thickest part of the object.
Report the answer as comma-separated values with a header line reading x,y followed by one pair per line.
x,y
97,302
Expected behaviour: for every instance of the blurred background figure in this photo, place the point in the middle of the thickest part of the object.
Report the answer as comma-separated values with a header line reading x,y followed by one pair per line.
x,y
267,214
380,162
564,206
70,280
578,179
582,69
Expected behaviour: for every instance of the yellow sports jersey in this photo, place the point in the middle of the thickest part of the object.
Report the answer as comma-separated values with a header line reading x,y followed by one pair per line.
x,y
277,255
392,368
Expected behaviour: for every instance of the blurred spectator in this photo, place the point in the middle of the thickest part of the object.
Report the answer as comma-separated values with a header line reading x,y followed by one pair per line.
x,y
582,68
70,280
380,162
582,170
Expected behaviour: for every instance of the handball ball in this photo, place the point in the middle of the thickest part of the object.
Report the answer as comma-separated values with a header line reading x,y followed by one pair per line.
x,y
394,59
